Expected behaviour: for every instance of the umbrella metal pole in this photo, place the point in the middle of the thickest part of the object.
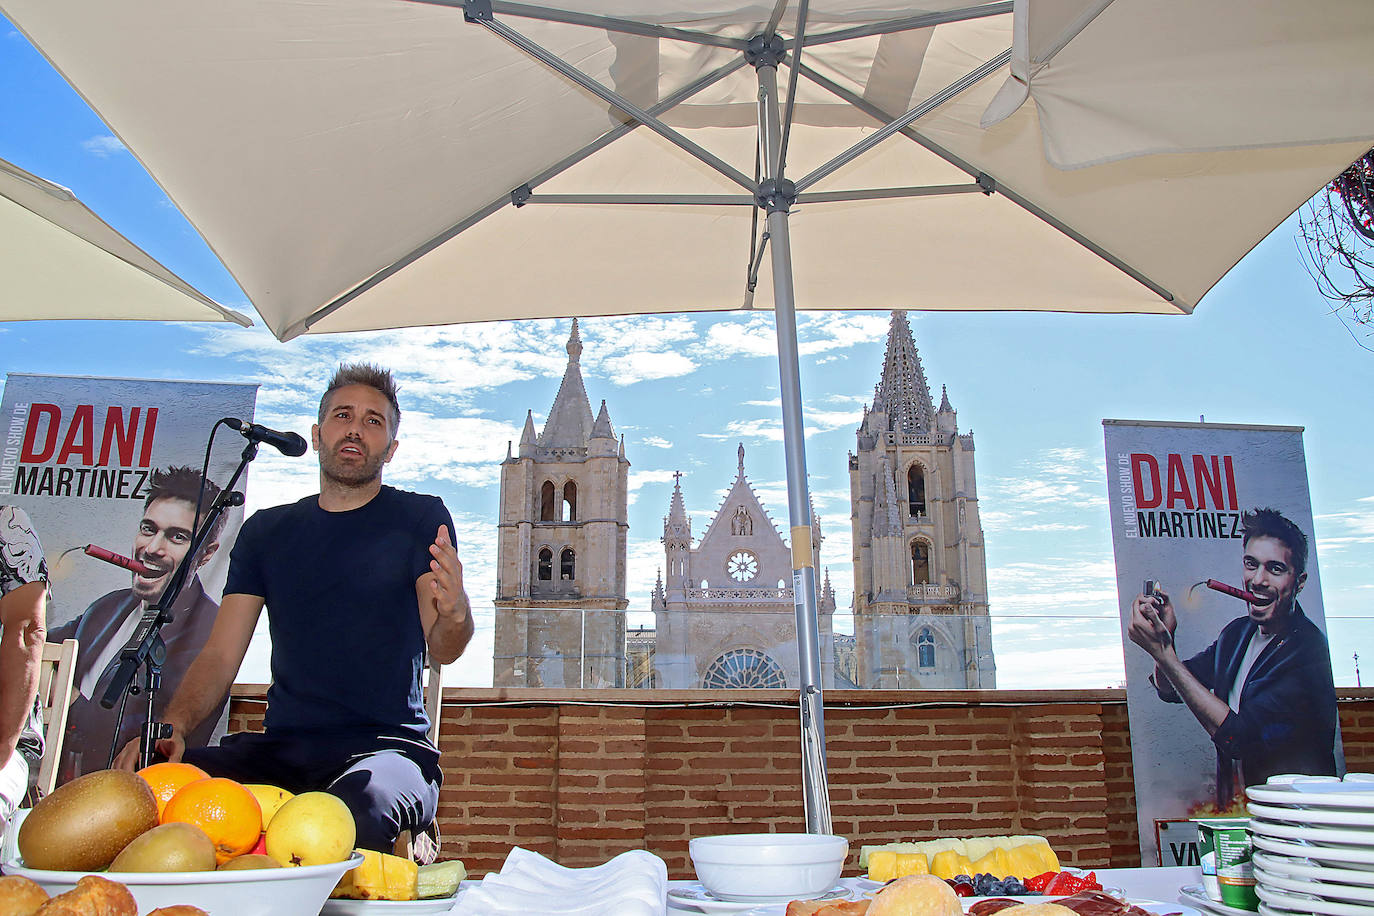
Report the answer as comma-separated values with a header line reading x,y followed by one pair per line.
x,y
775,197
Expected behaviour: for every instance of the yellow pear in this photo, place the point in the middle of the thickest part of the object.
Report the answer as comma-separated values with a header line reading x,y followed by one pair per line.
x,y
313,828
270,799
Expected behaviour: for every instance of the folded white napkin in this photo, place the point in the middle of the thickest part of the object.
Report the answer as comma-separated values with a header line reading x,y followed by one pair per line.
x,y
632,884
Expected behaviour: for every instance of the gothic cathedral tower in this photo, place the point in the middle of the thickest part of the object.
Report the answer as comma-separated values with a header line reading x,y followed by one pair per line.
x,y
560,589
920,575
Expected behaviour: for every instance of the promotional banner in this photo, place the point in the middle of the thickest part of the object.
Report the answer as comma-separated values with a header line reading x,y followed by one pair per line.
x,y
114,465
1228,674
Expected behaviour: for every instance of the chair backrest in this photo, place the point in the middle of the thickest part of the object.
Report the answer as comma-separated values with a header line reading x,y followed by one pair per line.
x,y
54,695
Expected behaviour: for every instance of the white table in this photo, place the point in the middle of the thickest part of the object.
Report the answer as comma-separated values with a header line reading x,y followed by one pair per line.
x,y
1160,884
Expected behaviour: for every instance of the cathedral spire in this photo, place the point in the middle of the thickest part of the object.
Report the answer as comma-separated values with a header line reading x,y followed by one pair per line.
x,y
570,419
944,400
527,436
903,391
677,511
601,429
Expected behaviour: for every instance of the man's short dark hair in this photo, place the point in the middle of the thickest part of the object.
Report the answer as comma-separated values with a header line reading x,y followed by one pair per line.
x,y
373,376
183,482
1270,523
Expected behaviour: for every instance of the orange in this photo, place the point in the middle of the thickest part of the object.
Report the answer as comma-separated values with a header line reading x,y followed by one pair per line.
x,y
224,809
166,779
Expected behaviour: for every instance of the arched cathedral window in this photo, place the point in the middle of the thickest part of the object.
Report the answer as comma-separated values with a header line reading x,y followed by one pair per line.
x,y
925,649
569,502
567,565
916,491
546,500
920,563
743,668
545,564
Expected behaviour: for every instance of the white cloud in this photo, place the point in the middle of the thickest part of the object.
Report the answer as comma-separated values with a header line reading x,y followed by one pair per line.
x,y
103,146
655,442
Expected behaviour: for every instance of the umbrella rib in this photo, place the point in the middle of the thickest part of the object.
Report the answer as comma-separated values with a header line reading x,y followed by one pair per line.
x,y
567,162
690,200
914,22
613,98
990,183
939,190
609,23
897,125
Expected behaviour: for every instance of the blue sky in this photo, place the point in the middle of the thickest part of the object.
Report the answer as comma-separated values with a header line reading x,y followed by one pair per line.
x,y
1263,347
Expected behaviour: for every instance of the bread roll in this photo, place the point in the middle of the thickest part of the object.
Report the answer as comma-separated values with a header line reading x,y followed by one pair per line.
x,y
92,896
827,908
181,909
916,895
19,896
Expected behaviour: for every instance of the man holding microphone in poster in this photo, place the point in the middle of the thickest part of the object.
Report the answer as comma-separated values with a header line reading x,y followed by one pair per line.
x,y
1263,690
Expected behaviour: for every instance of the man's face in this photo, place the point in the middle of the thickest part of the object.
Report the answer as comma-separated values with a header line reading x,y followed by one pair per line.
x,y
164,535
1269,573
354,440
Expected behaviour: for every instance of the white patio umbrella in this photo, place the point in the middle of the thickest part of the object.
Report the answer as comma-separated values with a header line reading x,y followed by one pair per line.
x,y
364,164
60,260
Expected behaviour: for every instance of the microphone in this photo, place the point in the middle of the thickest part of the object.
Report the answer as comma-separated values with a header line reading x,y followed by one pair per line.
x,y
290,444
109,556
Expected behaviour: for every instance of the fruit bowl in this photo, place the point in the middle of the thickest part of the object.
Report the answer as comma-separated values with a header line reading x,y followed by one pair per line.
x,y
255,892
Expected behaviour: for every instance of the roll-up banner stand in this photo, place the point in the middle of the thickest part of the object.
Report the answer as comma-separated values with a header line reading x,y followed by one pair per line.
x,y
116,464
1216,520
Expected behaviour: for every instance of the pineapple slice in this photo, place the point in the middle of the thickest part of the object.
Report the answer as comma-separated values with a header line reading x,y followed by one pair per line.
x,y
379,877
912,863
882,865
949,863
996,863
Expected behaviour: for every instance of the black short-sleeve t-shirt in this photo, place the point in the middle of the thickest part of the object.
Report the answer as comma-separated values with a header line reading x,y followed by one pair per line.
x,y
347,643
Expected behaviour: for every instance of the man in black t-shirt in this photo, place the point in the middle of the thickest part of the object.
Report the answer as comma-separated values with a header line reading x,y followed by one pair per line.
x,y
359,583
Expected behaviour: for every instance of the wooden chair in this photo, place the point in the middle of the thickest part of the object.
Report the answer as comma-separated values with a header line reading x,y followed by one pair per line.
x,y
54,696
434,702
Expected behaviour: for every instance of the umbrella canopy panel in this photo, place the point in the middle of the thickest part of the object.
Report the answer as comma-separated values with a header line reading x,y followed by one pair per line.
x,y
318,146
60,260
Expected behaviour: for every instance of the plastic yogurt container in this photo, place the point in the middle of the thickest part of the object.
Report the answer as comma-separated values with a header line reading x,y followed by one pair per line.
x,y
1227,875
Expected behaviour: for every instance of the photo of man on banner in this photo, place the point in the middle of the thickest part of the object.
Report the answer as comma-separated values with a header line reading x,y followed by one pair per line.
x,y
1228,670
1263,689
160,542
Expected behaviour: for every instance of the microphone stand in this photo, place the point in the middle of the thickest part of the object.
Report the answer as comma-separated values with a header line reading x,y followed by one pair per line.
x,y
146,647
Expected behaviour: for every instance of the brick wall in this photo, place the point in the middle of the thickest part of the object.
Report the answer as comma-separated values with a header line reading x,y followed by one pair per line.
x,y
579,777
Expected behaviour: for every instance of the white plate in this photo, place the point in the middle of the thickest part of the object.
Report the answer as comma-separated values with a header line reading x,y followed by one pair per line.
x,y
1312,816
696,896
1195,895
1326,889
1302,868
1361,799
340,907
1299,904
1320,835
1351,856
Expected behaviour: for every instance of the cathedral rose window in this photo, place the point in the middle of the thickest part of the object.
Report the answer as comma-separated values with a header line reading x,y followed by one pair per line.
x,y
742,566
740,668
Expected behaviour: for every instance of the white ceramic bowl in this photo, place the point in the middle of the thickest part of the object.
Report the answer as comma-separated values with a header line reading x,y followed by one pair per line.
x,y
765,867
249,892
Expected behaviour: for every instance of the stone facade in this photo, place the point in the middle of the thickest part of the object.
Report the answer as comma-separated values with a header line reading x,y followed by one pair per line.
x,y
920,574
560,592
723,613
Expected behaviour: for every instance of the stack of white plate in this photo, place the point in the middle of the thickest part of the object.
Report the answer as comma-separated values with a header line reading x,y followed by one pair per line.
x,y
1313,848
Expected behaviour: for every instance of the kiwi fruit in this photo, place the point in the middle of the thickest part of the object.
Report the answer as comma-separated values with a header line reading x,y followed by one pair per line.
x,y
170,847
87,822
250,860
